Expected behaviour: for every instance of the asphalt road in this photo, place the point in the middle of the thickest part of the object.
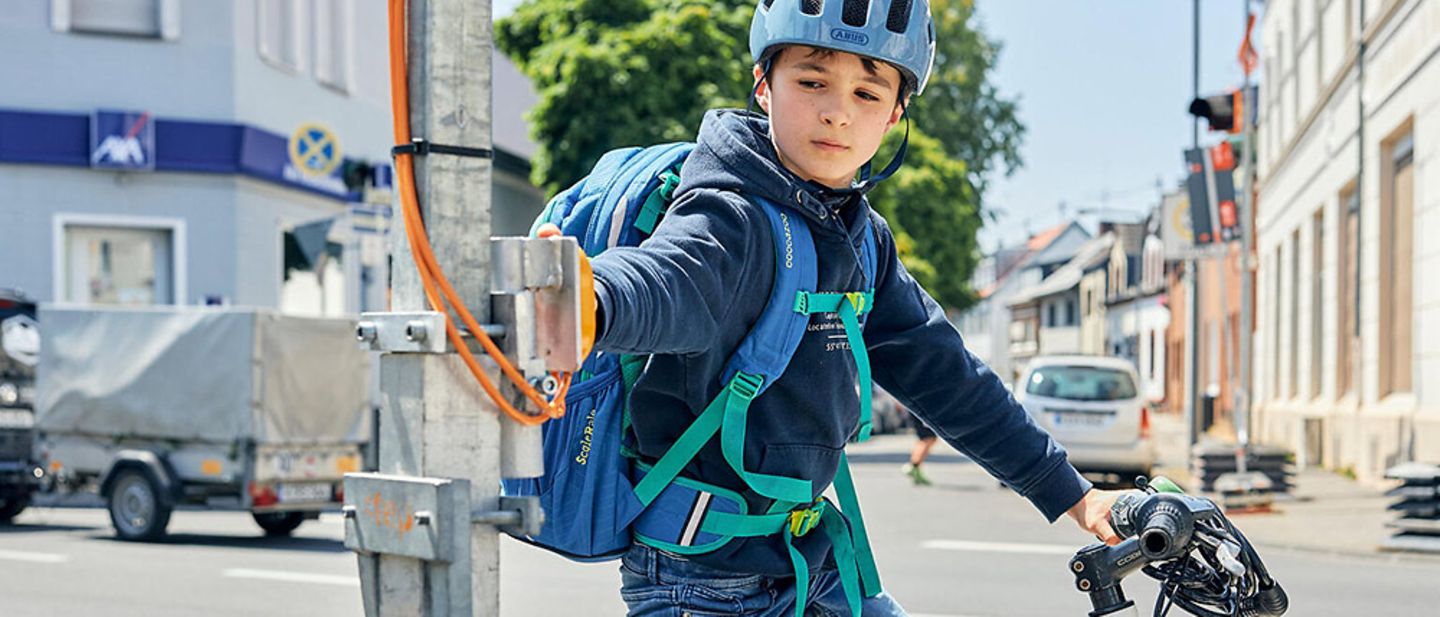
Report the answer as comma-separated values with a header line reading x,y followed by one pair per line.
x,y
964,547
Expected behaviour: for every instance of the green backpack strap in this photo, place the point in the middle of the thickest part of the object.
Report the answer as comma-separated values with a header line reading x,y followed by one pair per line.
x,y
658,201
741,392
850,307
850,506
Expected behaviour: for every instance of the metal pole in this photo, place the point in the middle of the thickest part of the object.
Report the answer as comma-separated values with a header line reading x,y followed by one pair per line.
x,y
1193,264
1246,207
435,422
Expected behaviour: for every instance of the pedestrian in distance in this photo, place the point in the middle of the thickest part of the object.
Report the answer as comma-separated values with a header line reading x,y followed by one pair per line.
x,y
925,440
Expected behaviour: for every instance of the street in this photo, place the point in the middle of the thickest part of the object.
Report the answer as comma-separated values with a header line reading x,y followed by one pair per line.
x,y
964,547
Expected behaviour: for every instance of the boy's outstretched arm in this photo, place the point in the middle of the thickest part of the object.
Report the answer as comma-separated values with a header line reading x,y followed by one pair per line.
x,y
919,357
669,296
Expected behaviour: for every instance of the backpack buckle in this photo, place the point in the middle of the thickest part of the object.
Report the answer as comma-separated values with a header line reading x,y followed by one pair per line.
x,y
857,300
803,521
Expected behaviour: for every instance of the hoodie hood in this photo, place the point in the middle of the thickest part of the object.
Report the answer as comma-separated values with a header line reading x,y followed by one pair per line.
x,y
734,153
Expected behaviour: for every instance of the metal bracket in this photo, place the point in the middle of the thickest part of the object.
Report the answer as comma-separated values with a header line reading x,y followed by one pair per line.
x,y
541,277
409,332
519,516
407,516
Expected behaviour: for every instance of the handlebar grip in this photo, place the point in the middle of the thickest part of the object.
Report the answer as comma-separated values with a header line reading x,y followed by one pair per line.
x,y
1164,534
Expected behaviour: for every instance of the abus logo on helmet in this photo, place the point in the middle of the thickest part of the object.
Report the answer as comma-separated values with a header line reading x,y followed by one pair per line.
x,y
849,36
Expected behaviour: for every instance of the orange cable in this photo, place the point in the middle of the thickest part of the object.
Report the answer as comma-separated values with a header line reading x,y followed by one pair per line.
x,y
428,266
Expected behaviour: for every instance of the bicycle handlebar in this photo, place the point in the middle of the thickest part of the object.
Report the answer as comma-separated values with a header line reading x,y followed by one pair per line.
x,y
1204,564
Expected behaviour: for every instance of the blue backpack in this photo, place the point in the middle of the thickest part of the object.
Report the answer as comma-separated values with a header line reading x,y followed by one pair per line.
x,y
597,496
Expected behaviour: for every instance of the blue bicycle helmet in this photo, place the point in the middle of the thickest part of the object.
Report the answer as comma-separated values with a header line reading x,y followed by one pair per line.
x,y
899,32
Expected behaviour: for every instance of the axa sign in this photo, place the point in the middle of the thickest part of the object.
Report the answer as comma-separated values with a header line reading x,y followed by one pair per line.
x,y
122,140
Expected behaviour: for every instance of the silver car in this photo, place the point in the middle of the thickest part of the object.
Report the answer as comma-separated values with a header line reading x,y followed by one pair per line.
x,y
1092,406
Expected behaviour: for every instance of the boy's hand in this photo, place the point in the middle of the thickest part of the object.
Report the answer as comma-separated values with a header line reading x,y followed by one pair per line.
x,y
587,293
1092,513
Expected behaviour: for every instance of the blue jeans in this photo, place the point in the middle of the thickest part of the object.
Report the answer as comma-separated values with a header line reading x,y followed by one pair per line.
x,y
655,583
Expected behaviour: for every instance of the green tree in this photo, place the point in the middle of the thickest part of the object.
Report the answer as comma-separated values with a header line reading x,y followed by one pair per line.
x,y
961,107
932,210
613,73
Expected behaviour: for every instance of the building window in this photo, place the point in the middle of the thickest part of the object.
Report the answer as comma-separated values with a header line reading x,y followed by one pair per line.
x,y
278,33
1150,372
1275,325
1317,301
333,47
117,265
1349,251
1294,376
1319,47
158,19
313,276
1397,235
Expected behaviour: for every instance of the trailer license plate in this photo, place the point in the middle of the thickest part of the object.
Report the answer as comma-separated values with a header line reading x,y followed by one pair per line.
x,y
304,493
15,418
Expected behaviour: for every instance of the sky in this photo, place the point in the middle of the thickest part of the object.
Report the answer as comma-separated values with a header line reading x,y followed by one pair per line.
x,y
1103,86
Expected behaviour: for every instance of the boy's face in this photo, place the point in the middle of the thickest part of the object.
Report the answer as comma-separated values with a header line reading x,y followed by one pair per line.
x,y
828,110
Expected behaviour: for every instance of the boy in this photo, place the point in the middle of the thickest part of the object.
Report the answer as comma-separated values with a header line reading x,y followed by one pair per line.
x,y
688,296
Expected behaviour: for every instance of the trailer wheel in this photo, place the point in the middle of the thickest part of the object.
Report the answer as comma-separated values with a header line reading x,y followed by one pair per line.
x,y
278,523
11,508
136,509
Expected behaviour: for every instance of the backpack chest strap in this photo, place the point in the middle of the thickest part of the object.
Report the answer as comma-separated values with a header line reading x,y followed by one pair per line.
x,y
850,306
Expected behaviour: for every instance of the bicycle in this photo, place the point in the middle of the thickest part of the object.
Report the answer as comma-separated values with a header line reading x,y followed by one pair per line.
x,y
1202,561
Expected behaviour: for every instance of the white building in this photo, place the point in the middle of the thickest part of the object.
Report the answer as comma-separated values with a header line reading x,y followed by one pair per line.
x,y
1345,207
986,325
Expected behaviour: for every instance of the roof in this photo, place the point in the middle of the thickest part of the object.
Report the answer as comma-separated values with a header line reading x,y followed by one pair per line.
x,y
1095,250
1120,364
1039,241
1011,260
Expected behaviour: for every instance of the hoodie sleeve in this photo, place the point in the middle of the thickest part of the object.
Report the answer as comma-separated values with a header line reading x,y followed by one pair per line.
x,y
669,295
919,357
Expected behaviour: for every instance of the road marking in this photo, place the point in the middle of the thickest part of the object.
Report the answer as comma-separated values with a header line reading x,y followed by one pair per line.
x,y
34,557
332,518
937,615
1000,547
293,577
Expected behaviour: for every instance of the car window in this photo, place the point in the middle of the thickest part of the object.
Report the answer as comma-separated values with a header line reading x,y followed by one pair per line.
x,y
1081,383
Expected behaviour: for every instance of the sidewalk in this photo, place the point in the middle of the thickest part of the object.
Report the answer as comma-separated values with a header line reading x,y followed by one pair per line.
x,y
1327,512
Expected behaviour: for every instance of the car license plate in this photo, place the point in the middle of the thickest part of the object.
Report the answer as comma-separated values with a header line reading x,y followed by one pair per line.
x,y
304,493
1079,419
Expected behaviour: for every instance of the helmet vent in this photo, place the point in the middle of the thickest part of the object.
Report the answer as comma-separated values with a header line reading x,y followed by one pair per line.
x,y
899,16
855,12
768,3
811,7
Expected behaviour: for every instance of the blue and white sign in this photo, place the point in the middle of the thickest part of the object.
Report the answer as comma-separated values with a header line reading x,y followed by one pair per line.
x,y
122,140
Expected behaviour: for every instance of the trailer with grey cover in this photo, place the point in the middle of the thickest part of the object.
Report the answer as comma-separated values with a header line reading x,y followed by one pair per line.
x,y
161,407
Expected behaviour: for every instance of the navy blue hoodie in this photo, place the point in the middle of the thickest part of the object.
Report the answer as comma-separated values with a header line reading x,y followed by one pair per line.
x,y
690,293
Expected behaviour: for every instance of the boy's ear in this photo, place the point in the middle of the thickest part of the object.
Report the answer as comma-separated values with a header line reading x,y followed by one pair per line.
x,y
762,89
898,113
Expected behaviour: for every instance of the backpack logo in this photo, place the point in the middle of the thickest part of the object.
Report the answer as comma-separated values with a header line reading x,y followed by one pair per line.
x,y
849,36
789,243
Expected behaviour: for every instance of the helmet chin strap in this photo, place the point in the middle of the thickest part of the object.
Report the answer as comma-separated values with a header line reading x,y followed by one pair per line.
x,y
765,77
868,181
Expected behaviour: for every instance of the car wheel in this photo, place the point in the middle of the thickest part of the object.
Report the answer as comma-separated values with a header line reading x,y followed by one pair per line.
x,y
278,523
136,509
